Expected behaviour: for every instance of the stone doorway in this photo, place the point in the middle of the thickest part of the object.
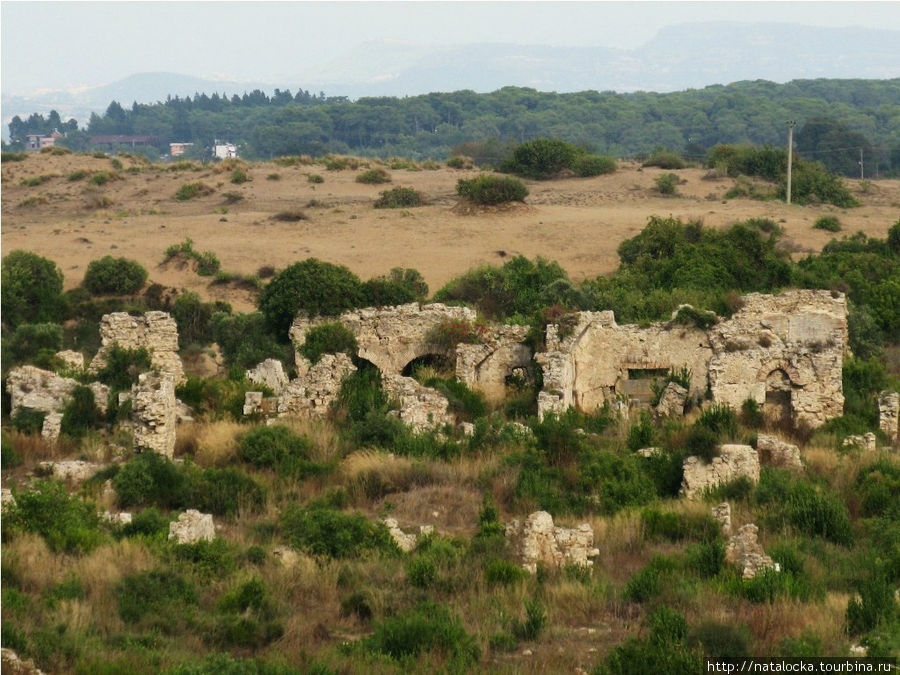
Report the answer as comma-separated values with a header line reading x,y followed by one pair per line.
x,y
778,409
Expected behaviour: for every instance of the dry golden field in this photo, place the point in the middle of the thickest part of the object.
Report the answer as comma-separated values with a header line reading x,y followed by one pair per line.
x,y
578,222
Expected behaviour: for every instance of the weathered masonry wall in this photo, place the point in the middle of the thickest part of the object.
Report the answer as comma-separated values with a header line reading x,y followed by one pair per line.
x,y
783,351
156,332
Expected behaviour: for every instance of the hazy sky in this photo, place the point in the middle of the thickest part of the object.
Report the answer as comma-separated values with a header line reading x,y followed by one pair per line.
x,y
66,44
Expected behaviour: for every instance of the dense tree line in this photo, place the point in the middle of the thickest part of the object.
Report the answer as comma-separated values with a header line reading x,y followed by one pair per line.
x,y
845,115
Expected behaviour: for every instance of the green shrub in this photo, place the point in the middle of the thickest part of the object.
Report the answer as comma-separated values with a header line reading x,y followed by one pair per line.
x,y
13,156
875,605
664,650
151,479
491,190
207,262
161,596
290,216
720,640
28,421
31,289
148,522
427,628
278,448
534,623
114,276
665,159
459,162
676,526
667,183
313,286
80,414
702,442
32,342
123,366
878,486
811,510
239,176
720,419
829,223
374,177
65,522
464,402
225,492
103,177
594,165
707,558
34,181
315,178
401,286
421,572
195,318
328,338
246,340
641,434
751,415
207,559
499,572
193,190
323,531
648,581
541,158
78,174
399,198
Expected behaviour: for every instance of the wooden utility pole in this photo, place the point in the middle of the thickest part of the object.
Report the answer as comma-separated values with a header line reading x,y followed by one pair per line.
x,y
791,124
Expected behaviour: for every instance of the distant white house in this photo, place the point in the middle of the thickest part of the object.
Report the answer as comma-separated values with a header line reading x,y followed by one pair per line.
x,y
178,149
35,142
224,150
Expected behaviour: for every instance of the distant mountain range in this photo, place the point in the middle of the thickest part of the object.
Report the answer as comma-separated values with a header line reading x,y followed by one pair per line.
x,y
679,57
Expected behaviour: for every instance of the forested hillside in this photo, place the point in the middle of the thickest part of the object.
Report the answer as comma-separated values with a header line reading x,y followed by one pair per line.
x,y
847,116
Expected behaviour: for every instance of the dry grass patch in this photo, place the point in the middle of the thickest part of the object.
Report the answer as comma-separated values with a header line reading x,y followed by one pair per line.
x,y
216,443
29,564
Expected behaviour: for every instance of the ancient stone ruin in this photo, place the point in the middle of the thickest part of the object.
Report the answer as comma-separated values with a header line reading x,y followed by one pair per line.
x,y
783,351
191,527
889,415
156,332
421,407
775,452
312,393
154,413
742,548
270,373
538,542
734,461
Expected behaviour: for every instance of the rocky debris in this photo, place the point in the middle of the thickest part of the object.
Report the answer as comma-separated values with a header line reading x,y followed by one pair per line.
x,y
191,527
270,373
71,360
421,408
722,514
538,541
156,332
467,428
406,542
257,404
36,389
120,518
6,497
75,470
14,665
744,550
672,401
648,452
183,412
889,415
51,427
312,394
775,452
734,461
859,651
866,442
154,413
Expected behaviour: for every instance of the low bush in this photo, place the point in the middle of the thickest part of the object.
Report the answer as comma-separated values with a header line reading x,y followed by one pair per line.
x,y
27,421
665,159
534,623
13,156
641,434
399,198
541,158
499,572
278,448
593,165
648,582
702,442
193,190
460,162
239,176
66,523
720,640
450,332
114,276
401,286
160,598
491,190
328,338
148,522
32,343
676,526
875,605
80,414
427,628
290,216
123,366
667,184
207,262
374,177
315,178
325,531
720,419
31,289
663,650
828,223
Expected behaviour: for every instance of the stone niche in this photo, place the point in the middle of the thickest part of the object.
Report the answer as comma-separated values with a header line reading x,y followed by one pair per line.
x,y
156,332
488,366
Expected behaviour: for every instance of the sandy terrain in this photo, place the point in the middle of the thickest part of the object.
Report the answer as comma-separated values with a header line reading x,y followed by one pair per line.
x,y
577,222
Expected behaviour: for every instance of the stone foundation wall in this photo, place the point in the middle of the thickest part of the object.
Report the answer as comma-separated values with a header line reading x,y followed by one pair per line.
x,y
889,415
486,366
154,413
538,542
312,394
734,461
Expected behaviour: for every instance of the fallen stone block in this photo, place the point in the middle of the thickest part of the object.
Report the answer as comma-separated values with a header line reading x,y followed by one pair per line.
x,y
538,541
744,550
734,461
191,527
775,452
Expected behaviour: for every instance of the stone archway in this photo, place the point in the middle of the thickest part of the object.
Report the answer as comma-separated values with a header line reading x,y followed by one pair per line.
x,y
778,405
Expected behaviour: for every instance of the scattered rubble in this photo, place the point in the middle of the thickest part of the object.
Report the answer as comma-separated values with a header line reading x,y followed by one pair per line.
x,y
538,541
775,452
421,408
866,442
734,461
191,527
312,394
13,664
75,470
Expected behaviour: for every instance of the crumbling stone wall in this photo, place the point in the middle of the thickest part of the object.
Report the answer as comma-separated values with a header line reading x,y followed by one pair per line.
x,y
486,366
156,332
389,337
538,541
269,373
775,452
154,413
889,415
783,351
312,394
421,407
734,461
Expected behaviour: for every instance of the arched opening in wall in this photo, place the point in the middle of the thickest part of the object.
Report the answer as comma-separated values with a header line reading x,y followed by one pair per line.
x,y
429,366
777,407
